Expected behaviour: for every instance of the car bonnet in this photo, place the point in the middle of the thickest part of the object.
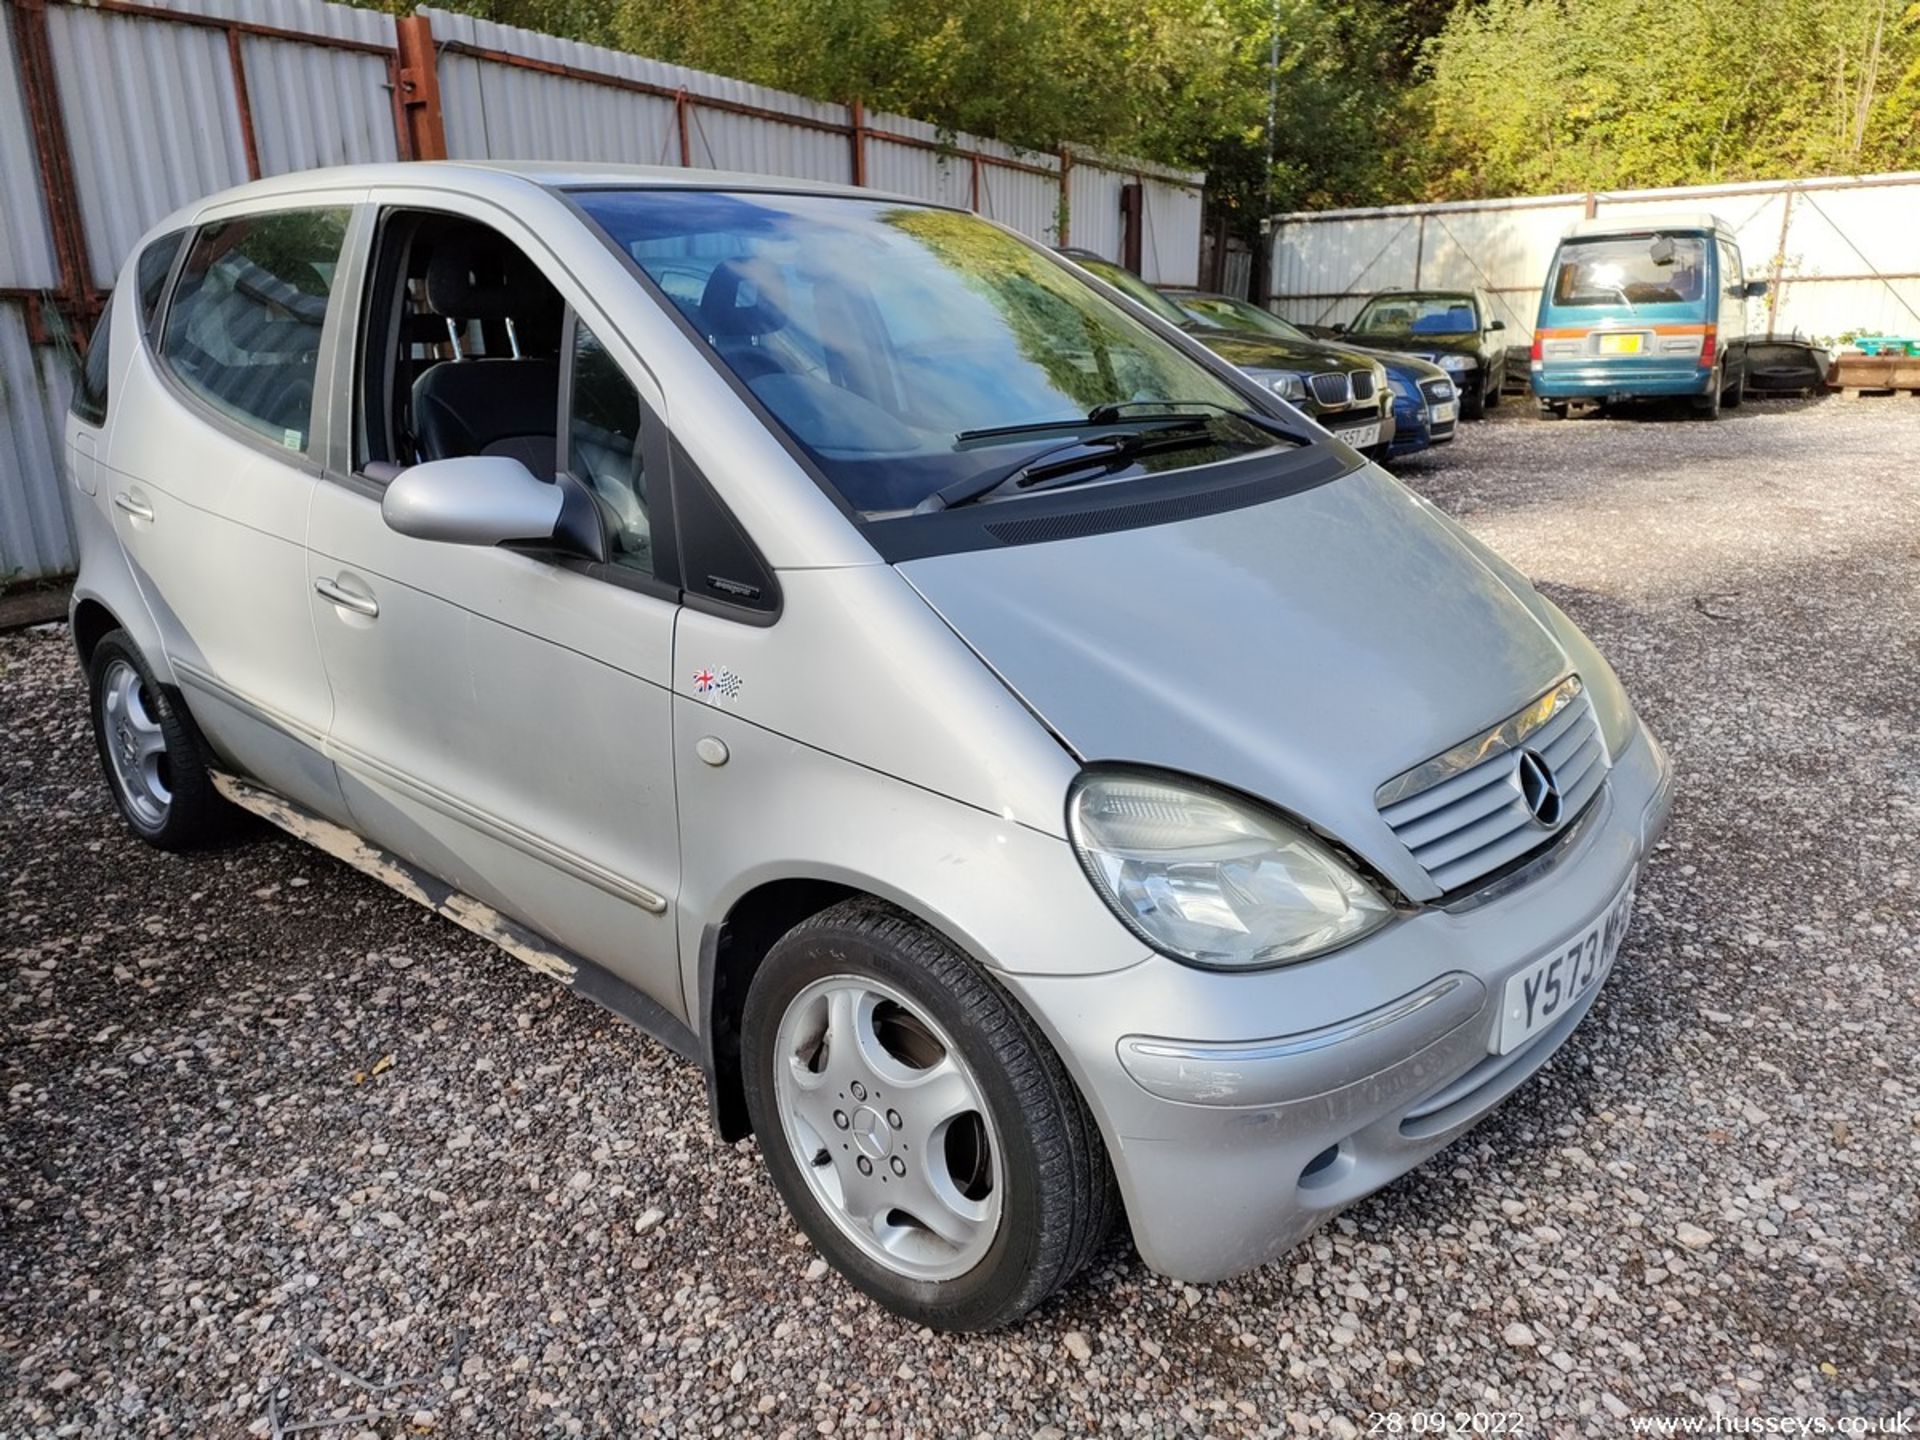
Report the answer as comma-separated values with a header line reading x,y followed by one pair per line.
x,y
1305,650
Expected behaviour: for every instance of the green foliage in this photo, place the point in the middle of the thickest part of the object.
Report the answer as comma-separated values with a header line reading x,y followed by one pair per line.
x,y
1545,95
1376,100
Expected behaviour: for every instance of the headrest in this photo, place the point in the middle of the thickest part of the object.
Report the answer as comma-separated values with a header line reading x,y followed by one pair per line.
x,y
466,281
736,303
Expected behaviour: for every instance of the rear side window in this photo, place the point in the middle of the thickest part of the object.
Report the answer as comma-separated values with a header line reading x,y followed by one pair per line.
x,y
90,390
243,330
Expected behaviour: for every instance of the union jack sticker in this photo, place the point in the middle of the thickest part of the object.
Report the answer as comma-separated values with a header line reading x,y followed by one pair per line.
x,y
722,683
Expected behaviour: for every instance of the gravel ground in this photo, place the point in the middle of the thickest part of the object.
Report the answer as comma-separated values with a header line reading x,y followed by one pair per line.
x,y
276,1143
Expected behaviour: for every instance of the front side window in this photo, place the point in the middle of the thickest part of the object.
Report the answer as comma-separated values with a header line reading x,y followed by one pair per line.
x,y
243,330
1635,270
910,350
1402,315
603,448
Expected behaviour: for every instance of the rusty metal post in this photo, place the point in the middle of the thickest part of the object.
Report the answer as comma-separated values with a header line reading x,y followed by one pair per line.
x,y
858,109
76,299
419,77
1779,261
1593,205
682,123
1419,249
974,181
236,62
1066,197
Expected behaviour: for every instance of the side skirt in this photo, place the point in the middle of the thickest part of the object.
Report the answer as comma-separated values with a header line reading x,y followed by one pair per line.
x,y
537,953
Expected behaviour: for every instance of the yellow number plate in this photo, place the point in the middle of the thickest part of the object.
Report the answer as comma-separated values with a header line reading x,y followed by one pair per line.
x,y
1619,344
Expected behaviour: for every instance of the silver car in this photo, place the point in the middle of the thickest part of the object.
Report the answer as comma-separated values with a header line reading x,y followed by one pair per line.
x,y
1038,776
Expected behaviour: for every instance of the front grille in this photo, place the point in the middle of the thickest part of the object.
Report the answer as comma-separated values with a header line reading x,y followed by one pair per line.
x,y
1466,813
1437,391
1331,388
1362,385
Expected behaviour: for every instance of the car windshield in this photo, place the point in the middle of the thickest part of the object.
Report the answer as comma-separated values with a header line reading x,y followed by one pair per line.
x,y
1223,312
1400,315
909,350
1636,270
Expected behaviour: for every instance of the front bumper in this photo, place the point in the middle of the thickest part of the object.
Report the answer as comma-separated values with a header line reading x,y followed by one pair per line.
x,y
1228,1150
1615,381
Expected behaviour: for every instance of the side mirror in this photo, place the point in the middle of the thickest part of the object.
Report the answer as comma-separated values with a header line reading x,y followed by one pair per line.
x,y
1339,327
493,500
1756,289
1497,325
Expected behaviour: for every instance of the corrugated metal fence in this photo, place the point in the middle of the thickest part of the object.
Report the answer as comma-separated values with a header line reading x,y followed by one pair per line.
x,y
114,112
1843,252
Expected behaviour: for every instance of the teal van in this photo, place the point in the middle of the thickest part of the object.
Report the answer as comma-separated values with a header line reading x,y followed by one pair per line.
x,y
1644,307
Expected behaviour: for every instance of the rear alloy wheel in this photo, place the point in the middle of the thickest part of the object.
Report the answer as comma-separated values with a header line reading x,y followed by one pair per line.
x,y
917,1124
156,763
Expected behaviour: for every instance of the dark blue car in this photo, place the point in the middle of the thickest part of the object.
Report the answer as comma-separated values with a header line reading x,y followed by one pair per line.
x,y
1426,405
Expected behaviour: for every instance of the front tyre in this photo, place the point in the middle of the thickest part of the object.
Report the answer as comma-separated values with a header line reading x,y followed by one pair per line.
x,y
917,1123
156,763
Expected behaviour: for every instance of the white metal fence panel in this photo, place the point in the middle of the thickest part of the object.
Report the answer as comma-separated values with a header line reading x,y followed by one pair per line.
x,y
36,537
151,116
1845,250
944,178
1022,200
26,241
315,107
1093,209
1170,225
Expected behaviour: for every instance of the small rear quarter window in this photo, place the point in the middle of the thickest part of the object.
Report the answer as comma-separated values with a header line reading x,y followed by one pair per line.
x,y
90,386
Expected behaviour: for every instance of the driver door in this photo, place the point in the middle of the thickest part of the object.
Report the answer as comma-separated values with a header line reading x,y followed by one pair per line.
x,y
503,716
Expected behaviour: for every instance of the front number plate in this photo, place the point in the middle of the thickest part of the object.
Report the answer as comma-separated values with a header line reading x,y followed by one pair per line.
x,y
1442,412
1361,436
1557,982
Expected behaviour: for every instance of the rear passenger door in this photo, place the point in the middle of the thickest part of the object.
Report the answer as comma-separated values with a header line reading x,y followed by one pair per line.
x,y
210,469
503,716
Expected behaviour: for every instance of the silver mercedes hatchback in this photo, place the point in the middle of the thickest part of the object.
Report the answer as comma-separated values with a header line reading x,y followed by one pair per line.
x,y
1039,776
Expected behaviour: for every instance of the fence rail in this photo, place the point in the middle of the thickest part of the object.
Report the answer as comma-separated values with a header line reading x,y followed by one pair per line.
x,y
1841,251
115,112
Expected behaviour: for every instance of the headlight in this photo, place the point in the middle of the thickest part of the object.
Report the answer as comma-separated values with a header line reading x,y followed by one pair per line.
x,y
1400,387
1288,387
1456,363
1213,880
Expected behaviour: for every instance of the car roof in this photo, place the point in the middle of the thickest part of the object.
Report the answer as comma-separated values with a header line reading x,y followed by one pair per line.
x,y
495,176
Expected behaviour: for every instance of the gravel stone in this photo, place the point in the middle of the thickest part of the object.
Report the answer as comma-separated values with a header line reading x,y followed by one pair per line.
x,y
206,1221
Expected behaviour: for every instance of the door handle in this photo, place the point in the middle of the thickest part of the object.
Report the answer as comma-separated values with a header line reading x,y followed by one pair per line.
x,y
139,509
347,599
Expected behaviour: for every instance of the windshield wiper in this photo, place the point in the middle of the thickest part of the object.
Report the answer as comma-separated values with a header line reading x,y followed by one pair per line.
x,y
1119,412
1099,454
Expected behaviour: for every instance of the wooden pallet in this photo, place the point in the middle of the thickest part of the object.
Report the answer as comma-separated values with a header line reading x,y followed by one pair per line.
x,y
1857,374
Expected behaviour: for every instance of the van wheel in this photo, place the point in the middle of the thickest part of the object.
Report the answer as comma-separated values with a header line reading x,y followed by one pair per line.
x,y
156,762
1707,406
1737,392
1474,406
917,1123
